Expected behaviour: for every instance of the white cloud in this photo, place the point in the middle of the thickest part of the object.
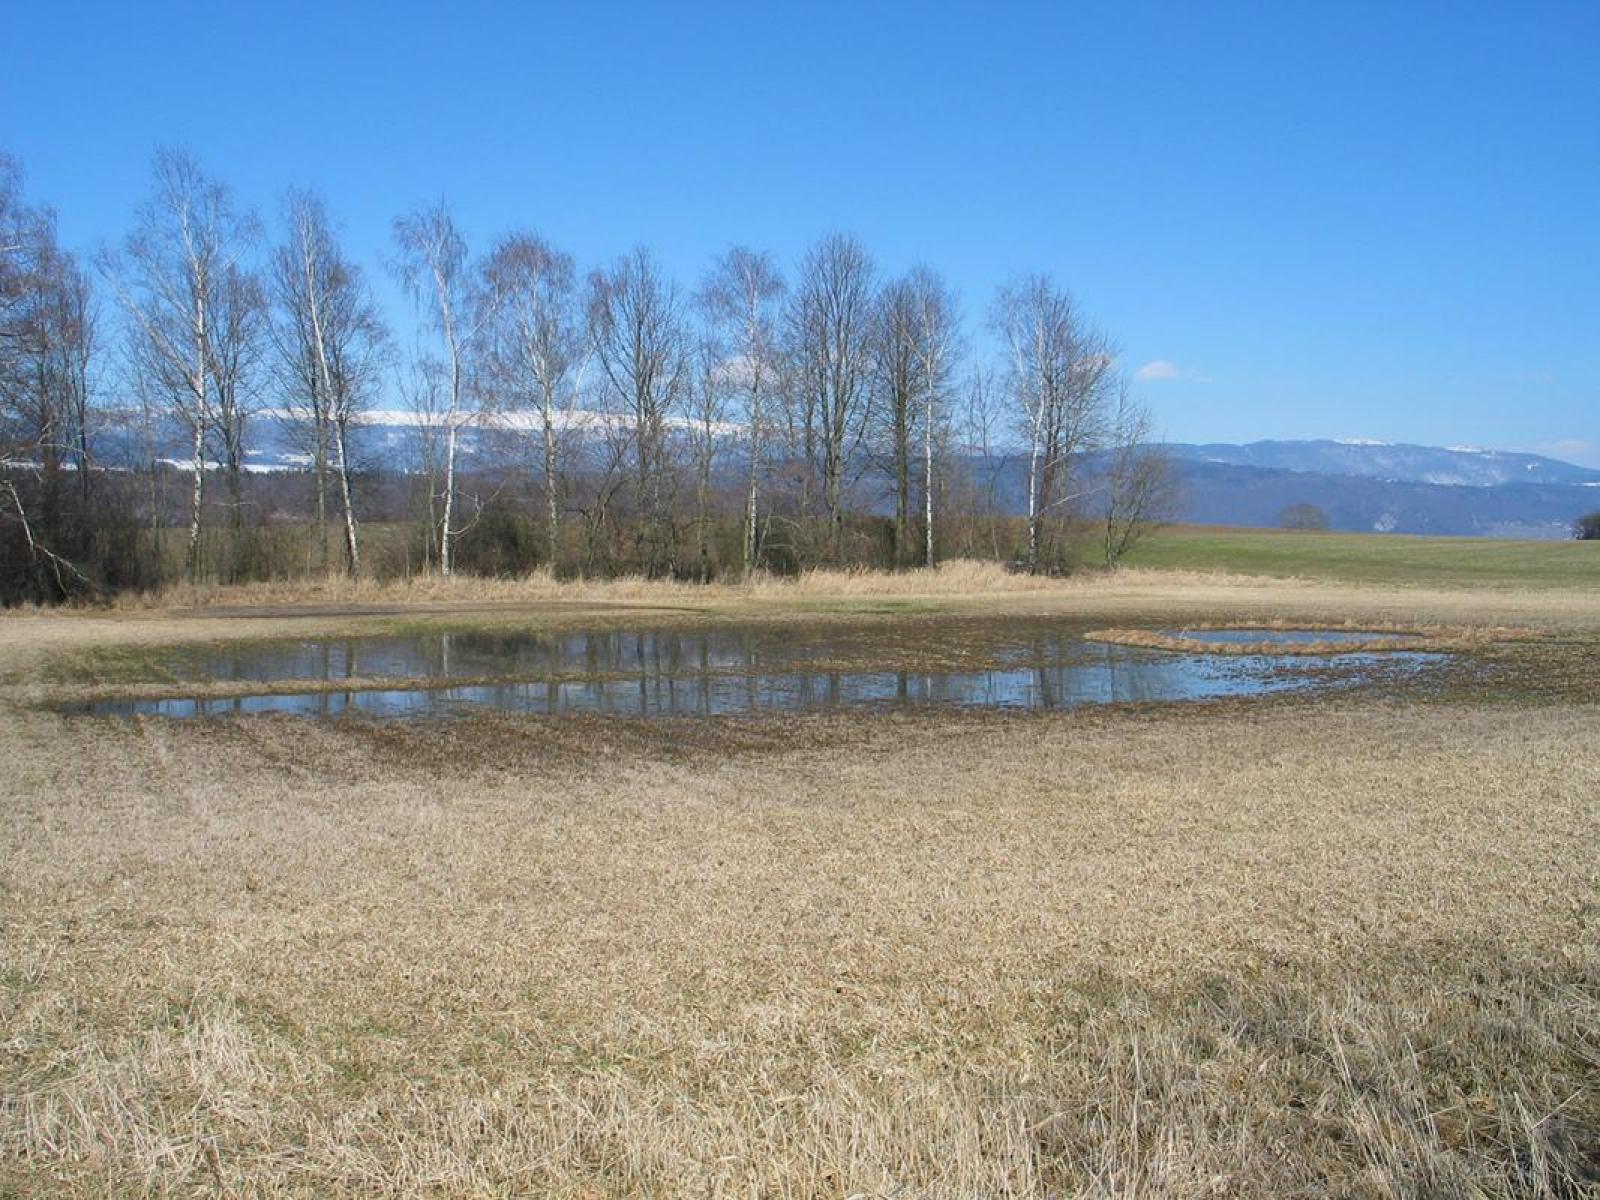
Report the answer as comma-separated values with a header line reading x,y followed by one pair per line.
x,y
1162,371
1159,370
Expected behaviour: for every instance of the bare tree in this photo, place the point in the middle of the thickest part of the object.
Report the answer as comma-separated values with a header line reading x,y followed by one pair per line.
x,y
237,332
536,348
938,349
896,362
739,298
636,327
170,280
829,331
432,265
708,413
605,453
332,347
15,218
1060,380
424,387
1139,490
46,339
40,393
916,348
977,425
78,323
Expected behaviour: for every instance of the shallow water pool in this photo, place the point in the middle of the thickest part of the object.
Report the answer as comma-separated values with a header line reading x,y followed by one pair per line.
x,y
724,670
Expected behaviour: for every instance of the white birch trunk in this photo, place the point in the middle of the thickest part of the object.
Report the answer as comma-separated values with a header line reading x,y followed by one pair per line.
x,y
196,499
552,513
198,384
352,540
446,533
927,478
1033,502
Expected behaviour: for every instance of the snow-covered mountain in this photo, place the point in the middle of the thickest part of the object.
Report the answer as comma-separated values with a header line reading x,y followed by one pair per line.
x,y
1360,485
1463,466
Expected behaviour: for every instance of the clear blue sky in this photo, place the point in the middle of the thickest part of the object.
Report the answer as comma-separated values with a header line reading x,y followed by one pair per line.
x,y
1333,219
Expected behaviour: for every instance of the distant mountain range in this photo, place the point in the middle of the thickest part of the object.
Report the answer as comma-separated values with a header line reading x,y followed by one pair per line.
x,y
1359,485
1378,487
1463,466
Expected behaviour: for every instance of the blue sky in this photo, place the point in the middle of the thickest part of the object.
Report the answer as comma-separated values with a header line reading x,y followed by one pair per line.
x,y
1297,220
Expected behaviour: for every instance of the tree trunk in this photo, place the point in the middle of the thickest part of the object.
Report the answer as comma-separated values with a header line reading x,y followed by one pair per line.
x,y
235,558
320,477
235,489
835,518
902,486
927,482
750,503
702,494
197,496
352,541
446,534
1033,505
552,512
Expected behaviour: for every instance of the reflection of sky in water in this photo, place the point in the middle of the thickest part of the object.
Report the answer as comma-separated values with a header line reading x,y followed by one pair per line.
x,y
476,654
728,672
1288,637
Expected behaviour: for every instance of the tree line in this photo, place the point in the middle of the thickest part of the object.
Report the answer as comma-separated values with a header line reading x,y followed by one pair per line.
x,y
592,422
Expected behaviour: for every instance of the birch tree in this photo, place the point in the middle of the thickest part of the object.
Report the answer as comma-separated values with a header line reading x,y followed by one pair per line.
x,y
78,324
46,338
937,343
640,342
333,347
829,330
897,366
187,236
432,266
915,350
739,298
537,350
423,386
707,416
984,417
1060,379
237,332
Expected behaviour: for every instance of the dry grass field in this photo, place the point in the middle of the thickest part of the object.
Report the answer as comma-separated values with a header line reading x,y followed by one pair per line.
x,y
1283,947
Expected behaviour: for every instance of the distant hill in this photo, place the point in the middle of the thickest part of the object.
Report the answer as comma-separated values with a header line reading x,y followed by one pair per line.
x,y
1398,463
1360,486
1365,486
1224,494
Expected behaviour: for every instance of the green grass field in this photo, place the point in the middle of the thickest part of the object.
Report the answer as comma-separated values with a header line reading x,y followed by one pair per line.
x,y
1372,557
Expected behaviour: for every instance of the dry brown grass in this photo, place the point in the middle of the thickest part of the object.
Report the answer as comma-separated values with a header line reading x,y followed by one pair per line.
x,y
1288,948
1226,950
1391,639
971,580
954,577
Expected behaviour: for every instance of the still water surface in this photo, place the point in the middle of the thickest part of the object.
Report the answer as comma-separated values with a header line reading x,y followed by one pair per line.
x,y
730,671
